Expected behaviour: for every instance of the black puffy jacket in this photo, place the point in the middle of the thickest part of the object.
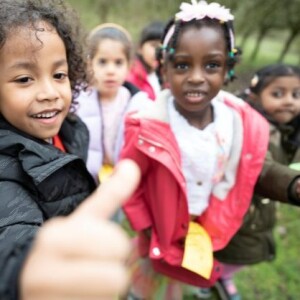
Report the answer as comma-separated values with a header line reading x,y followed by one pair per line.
x,y
37,182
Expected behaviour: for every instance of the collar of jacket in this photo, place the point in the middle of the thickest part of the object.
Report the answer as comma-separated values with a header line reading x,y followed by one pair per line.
x,y
37,157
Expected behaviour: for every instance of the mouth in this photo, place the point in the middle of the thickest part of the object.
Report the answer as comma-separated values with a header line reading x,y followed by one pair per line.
x,y
195,96
110,81
46,114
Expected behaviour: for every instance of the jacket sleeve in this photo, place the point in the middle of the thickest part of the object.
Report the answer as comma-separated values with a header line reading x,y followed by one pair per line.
x,y
276,181
20,218
136,208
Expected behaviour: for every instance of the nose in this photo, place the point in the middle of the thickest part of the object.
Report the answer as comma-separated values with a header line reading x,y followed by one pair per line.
x,y
47,90
111,67
196,75
289,99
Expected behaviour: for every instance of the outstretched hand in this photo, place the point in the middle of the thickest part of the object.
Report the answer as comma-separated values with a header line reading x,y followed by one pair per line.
x,y
297,188
83,256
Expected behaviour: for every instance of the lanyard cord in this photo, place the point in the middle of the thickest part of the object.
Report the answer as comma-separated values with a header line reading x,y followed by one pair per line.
x,y
103,127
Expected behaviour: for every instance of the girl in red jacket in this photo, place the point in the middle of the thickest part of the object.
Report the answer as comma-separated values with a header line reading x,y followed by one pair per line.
x,y
142,72
201,152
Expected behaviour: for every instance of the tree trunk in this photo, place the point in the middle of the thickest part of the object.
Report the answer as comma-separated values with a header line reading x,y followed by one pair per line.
x,y
287,45
245,37
103,9
259,39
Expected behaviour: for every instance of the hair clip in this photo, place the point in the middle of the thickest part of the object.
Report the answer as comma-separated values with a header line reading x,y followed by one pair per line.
x,y
254,81
231,73
231,54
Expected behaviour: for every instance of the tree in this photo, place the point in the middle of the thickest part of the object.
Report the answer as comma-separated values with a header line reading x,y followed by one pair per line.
x,y
292,13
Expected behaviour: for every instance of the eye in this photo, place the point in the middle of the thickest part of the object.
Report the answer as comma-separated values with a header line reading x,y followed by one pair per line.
x,y
60,75
119,62
102,61
181,66
24,80
296,94
277,94
213,65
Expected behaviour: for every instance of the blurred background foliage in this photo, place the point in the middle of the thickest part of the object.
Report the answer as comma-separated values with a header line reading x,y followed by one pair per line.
x,y
268,31
256,21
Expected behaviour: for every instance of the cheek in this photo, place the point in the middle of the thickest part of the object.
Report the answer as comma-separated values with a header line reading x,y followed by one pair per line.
x,y
123,72
297,106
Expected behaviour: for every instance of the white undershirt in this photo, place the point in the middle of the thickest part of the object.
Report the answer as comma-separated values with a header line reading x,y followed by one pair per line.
x,y
153,80
112,114
200,153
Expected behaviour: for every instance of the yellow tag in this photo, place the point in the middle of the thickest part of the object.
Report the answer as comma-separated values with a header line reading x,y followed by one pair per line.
x,y
105,172
198,252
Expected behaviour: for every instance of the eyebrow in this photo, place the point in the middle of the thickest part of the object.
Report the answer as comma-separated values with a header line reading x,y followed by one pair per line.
x,y
31,65
184,55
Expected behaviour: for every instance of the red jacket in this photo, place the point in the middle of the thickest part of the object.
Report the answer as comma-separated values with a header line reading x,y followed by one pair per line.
x,y
160,202
138,76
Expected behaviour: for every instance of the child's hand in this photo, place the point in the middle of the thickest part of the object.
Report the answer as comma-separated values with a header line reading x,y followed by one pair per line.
x,y
82,256
297,188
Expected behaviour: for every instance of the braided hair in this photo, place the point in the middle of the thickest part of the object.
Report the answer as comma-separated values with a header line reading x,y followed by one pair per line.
x,y
166,52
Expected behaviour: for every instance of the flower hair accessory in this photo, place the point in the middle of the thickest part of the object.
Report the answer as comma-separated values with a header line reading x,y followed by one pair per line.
x,y
201,10
254,81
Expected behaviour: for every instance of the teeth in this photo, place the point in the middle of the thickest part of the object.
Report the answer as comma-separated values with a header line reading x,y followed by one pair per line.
x,y
194,94
45,115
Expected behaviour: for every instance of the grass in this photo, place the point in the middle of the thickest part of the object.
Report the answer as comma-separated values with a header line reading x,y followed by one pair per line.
x,y
277,280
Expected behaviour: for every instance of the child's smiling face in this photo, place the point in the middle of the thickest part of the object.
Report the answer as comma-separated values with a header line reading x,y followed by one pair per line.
x,y
35,92
197,72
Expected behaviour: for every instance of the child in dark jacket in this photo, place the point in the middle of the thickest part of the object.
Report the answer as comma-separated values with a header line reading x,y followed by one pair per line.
x,y
43,147
274,91
142,72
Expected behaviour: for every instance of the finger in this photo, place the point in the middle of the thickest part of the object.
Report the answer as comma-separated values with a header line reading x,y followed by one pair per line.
x,y
82,279
113,192
94,239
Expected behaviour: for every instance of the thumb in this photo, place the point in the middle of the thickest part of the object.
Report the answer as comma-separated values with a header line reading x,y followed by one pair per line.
x,y
110,195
